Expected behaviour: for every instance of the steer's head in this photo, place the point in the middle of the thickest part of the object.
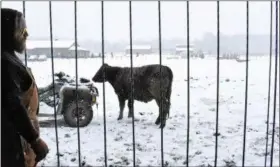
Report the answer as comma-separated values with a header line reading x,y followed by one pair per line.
x,y
98,77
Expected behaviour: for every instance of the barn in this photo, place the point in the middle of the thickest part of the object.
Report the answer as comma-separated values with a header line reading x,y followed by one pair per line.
x,y
182,49
61,48
139,49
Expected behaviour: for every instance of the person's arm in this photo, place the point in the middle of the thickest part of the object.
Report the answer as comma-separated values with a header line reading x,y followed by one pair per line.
x,y
12,105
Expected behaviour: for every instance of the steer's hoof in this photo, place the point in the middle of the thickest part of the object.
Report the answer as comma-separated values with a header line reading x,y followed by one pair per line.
x,y
157,122
162,126
119,118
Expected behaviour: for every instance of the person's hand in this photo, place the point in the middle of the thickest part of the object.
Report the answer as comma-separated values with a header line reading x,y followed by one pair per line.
x,y
40,148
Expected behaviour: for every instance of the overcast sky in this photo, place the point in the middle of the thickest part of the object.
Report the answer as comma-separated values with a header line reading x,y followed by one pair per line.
x,y
203,19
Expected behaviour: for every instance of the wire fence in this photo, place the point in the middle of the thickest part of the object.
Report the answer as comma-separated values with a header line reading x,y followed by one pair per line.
x,y
274,5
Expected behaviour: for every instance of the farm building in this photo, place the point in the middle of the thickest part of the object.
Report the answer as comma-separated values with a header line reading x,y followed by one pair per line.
x,y
182,49
61,48
139,49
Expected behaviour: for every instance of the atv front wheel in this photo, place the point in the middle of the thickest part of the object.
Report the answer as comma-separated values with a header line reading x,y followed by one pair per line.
x,y
85,114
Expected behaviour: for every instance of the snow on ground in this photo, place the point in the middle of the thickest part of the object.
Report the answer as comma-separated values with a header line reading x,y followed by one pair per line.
x,y
202,117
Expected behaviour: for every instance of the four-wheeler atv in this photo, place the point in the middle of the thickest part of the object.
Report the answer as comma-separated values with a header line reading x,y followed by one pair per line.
x,y
65,96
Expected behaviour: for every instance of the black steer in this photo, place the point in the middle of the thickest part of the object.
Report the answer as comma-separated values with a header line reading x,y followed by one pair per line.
x,y
146,86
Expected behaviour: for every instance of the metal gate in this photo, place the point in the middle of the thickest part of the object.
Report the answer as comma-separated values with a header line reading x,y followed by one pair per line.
x,y
272,81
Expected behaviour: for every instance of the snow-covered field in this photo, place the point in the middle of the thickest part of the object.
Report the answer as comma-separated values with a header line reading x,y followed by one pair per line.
x,y
202,117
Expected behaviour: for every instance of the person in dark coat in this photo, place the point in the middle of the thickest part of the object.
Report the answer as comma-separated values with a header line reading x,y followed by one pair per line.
x,y
15,80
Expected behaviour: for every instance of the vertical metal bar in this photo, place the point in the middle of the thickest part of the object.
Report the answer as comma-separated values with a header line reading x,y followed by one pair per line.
x,y
160,85
218,82
246,84
188,86
279,79
269,82
132,82
104,102
54,99
275,84
76,70
24,15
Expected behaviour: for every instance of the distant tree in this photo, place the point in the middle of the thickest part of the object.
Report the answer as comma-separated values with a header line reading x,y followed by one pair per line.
x,y
201,55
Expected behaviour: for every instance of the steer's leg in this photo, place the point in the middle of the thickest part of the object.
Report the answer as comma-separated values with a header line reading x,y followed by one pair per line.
x,y
154,89
121,105
165,111
162,112
130,105
158,118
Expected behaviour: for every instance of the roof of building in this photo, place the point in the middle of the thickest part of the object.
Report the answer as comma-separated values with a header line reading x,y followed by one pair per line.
x,y
184,49
144,47
31,44
78,48
183,45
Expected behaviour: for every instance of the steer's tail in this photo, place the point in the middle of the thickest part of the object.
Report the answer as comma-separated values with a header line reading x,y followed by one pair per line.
x,y
169,90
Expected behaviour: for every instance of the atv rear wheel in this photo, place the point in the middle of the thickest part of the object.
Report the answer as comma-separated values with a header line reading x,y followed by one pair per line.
x,y
85,114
